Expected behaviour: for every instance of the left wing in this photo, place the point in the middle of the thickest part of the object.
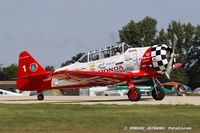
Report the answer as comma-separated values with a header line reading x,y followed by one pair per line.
x,y
92,78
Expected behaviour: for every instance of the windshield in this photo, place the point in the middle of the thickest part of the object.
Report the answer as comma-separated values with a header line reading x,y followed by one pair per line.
x,y
84,58
126,46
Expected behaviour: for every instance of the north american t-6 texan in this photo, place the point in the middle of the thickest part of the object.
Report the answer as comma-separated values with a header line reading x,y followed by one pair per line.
x,y
113,65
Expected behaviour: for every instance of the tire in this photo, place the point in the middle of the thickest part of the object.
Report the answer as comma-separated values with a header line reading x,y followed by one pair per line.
x,y
134,95
160,95
40,97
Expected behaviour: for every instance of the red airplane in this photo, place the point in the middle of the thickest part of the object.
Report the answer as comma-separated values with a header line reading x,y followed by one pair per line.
x,y
112,65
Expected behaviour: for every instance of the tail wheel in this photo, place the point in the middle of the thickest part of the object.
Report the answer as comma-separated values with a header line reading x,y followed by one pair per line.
x,y
158,93
134,95
40,97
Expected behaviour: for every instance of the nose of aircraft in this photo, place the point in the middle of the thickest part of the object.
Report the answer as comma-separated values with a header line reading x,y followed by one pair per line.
x,y
160,55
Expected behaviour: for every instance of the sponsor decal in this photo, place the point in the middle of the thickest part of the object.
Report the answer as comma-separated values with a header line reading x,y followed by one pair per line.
x,y
33,67
83,68
92,66
127,57
132,50
112,69
110,63
101,66
79,68
146,60
147,54
128,67
92,69
119,63
118,69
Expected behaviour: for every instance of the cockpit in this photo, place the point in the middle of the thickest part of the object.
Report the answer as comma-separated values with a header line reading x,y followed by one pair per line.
x,y
106,52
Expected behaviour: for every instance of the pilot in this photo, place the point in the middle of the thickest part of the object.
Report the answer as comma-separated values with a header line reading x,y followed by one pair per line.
x,y
91,57
96,57
117,50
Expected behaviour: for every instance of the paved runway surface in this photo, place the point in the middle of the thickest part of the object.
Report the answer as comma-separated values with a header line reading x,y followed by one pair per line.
x,y
121,100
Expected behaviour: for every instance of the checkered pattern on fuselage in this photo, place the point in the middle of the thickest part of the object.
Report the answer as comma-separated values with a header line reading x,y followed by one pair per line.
x,y
159,57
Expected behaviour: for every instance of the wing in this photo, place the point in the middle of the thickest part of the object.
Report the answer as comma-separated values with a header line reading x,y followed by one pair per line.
x,y
91,78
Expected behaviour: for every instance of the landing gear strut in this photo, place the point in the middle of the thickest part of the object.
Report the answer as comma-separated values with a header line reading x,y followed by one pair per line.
x,y
134,94
40,97
157,93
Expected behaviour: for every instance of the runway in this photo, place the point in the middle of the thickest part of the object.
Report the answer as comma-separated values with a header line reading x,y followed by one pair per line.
x,y
119,100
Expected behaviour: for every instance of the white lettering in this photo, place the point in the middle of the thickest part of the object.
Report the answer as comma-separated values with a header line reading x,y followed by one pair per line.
x,y
24,67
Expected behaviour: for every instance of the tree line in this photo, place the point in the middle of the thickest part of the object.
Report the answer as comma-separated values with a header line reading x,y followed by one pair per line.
x,y
9,72
145,33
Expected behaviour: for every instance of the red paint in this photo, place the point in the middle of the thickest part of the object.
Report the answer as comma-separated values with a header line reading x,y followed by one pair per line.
x,y
28,79
131,85
133,94
146,62
177,65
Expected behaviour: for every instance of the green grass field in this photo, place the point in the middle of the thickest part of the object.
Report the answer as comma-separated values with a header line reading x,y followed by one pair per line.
x,y
51,118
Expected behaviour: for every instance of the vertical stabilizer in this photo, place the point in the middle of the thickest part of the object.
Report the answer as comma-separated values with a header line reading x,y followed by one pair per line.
x,y
30,73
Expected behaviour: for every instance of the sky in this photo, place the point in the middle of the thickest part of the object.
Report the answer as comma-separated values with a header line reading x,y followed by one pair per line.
x,y
55,30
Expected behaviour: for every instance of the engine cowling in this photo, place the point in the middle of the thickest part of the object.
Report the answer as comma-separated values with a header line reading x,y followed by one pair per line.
x,y
160,55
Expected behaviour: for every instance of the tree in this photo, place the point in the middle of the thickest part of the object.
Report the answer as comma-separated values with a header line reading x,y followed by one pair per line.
x,y
9,73
178,29
179,75
189,32
148,30
49,68
162,37
131,34
139,34
2,75
73,59
193,57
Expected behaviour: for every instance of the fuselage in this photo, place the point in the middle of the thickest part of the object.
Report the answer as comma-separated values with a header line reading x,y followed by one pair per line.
x,y
128,60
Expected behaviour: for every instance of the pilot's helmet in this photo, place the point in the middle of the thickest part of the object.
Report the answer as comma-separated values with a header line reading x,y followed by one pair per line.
x,y
119,49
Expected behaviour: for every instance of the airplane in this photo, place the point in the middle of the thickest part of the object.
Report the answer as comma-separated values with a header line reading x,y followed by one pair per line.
x,y
113,65
9,93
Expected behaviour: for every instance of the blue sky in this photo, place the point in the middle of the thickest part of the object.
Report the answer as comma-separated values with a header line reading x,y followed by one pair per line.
x,y
54,30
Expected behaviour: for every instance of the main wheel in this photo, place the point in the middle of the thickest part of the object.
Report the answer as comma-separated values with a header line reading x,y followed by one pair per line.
x,y
134,95
40,97
158,93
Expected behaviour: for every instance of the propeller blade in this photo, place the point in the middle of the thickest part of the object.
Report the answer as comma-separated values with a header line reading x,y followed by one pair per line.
x,y
169,67
170,64
174,43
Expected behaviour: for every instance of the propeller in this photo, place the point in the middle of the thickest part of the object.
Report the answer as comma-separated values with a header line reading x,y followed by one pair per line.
x,y
172,56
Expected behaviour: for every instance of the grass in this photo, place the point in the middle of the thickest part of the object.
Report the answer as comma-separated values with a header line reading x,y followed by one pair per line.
x,y
51,118
194,94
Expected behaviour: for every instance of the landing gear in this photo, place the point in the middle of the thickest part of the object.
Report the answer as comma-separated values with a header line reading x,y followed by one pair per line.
x,y
40,97
134,94
157,93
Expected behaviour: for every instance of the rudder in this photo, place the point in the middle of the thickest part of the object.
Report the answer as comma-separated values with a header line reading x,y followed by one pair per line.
x,y
27,68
